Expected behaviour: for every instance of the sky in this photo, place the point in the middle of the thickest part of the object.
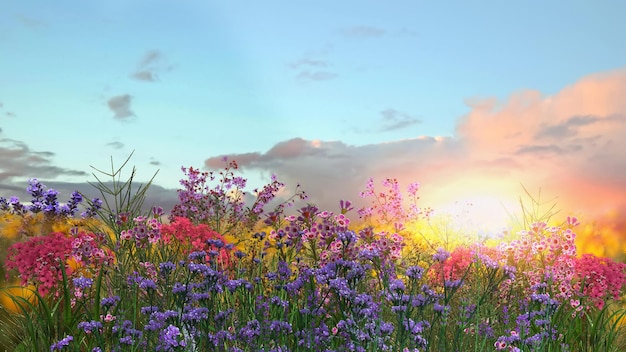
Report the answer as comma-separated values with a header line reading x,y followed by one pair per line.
x,y
476,100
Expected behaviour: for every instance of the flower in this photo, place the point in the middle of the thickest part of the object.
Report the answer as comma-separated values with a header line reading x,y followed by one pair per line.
x,y
90,326
39,260
441,255
62,343
82,282
169,338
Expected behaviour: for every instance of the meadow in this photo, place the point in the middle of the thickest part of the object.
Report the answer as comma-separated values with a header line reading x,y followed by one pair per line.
x,y
217,273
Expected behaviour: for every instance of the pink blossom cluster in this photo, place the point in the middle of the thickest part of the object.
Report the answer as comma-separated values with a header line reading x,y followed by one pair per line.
x,y
146,230
548,254
455,266
39,260
196,237
600,278
389,205
87,249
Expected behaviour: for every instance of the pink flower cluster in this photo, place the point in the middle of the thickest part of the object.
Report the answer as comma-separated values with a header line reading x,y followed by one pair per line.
x,y
456,266
389,206
195,236
600,278
39,260
86,249
145,231
545,252
548,253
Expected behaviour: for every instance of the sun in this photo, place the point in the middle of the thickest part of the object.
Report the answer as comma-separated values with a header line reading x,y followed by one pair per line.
x,y
485,215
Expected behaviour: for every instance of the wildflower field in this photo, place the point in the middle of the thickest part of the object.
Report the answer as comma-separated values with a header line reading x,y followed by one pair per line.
x,y
218,273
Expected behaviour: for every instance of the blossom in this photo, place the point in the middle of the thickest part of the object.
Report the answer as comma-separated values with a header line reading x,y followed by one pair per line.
x,y
62,343
441,255
40,259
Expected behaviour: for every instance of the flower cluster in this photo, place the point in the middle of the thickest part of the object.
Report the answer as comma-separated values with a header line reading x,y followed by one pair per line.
x,y
46,201
388,206
600,278
144,231
219,199
39,260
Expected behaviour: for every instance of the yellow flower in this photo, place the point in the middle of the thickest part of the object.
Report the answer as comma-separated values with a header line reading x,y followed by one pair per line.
x,y
11,294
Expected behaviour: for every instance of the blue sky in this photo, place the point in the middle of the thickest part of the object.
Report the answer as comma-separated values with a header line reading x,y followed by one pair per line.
x,y
292,87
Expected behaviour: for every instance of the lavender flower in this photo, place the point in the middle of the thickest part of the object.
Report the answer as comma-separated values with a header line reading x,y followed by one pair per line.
x,y
90,326
62,343
82,282
108,302
441,255
414,272
166,267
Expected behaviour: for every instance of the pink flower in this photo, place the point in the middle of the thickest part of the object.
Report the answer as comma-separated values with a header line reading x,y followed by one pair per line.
x,y
39,259
601,278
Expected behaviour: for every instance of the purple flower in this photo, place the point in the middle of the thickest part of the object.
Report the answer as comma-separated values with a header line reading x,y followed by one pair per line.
x,y
62,343
396,285
149,309
347,237
127,340
452,284
90,326
341,286
180,288
283,270
82,282
166,268
147,284
157,211
109,301
441,255
196,314
250,331
440,309
199,255
280,327
414,272
96,204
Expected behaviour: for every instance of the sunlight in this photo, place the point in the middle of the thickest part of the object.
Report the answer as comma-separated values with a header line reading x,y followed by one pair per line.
x,y
483,215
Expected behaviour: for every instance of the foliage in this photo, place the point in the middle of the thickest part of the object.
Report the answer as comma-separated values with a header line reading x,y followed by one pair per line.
x,y
226,275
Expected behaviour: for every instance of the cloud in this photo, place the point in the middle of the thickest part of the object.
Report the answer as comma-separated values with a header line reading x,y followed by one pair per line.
x,y
333,170
315,75
394,120
116,144
569,144
362,32
312,68
566,128
150,66
7,113
31,22
120,105
20,162
304,63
